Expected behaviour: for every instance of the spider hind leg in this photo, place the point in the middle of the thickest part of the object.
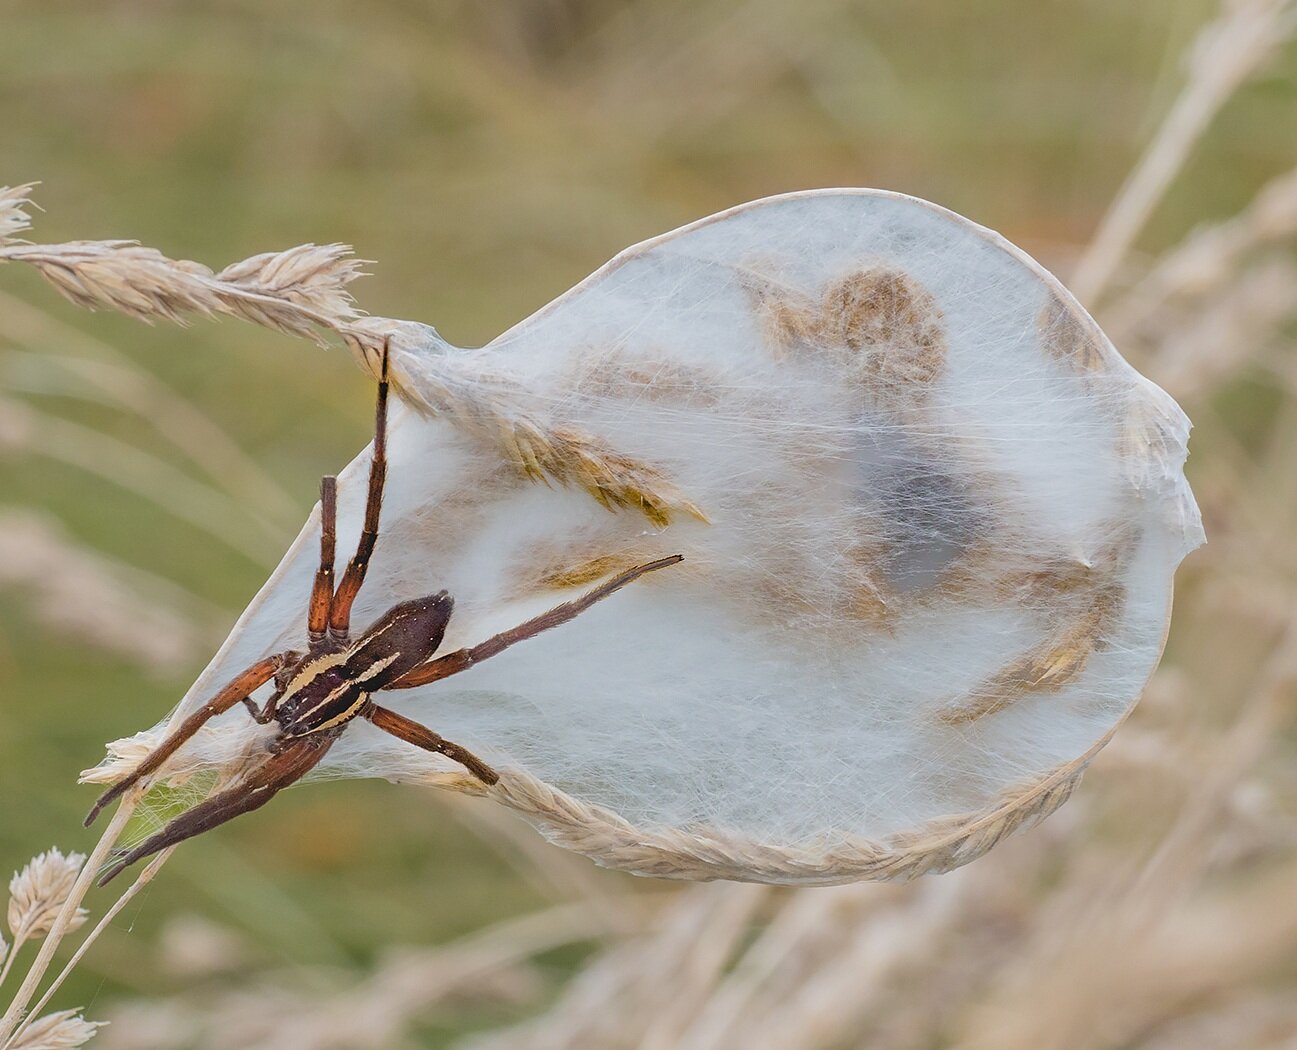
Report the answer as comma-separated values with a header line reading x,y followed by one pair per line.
x,y
239,690
253,792
421,736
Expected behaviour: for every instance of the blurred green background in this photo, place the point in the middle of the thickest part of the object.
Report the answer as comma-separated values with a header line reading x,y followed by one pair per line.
x,y
487,155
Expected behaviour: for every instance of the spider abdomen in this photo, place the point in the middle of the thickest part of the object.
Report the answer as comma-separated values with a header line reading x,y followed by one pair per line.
x,y
331,689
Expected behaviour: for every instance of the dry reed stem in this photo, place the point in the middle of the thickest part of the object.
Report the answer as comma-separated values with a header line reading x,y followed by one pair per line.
x,y
685,982
1266,711
762,975
1227,52
1105,980
66,918
589,1010
379,1009
1252,1019
844,989
631,987
1201,345
1207,260
16,1041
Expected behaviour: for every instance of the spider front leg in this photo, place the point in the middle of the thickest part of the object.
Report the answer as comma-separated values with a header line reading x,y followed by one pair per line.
x,y
463,659
354,577
238,691
317,610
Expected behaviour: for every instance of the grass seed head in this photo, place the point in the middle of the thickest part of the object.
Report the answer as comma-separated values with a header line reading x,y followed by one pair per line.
x,y
13,219
38,892
63,1030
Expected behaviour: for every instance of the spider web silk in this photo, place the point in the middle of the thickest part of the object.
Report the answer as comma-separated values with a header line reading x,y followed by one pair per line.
x,y
943,512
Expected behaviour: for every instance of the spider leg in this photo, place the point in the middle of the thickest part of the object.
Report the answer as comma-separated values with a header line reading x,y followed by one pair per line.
x,y
421,736
262,715
236,692
284,675
463,659
254,791
317,615
354,577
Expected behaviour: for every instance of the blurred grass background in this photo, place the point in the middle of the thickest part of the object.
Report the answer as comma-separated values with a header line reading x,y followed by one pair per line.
x,y
488,156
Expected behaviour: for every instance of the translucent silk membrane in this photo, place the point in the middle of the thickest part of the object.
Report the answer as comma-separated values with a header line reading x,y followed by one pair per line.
x,y
929,520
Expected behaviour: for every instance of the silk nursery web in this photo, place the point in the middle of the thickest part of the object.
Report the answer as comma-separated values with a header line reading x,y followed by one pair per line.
x,y
929,520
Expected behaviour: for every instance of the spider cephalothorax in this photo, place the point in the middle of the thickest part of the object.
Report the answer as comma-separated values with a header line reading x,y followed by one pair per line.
x,y
320,692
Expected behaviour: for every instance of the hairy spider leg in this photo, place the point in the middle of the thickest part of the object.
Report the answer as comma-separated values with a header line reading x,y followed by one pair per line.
x,y
421,736
463,659
266,714
354,577
253,792
317,612
238,691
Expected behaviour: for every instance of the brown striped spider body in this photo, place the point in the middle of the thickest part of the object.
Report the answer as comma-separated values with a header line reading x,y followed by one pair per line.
x,y
319,693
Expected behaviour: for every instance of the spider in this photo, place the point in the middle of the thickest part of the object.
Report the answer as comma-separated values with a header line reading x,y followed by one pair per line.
x,y
320,692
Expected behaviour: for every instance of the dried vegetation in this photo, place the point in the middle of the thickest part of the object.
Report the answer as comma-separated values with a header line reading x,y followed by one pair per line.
x,y
1153,912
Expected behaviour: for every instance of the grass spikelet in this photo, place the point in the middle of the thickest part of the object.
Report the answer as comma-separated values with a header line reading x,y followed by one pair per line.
x,y
313,276
298,292
38,892
121,275
62,1030
47,877
13,219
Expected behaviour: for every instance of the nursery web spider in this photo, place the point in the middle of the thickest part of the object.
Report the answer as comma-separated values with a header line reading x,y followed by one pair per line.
x,y
318,693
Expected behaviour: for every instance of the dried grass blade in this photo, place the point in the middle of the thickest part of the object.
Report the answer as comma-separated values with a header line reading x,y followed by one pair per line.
x,y
1228,51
